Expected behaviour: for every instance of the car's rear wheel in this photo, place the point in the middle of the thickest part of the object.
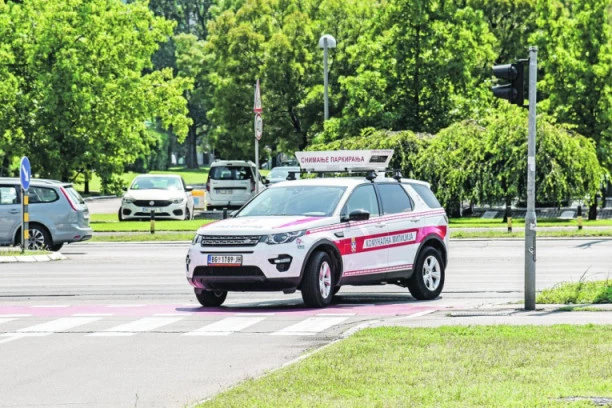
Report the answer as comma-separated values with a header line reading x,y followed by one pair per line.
x,y
210,298
427,280
39,238
187,214
119,215
318,283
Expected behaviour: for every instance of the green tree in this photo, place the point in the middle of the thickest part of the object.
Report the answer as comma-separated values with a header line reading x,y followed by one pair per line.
x,y
83,101
8,84
574,53
421,68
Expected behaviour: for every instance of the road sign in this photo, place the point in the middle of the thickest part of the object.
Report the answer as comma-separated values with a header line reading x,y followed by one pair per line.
x,y
25,173
257,105
258,126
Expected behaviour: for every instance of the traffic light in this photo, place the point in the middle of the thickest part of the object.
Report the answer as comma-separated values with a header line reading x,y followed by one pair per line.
x,y
514,91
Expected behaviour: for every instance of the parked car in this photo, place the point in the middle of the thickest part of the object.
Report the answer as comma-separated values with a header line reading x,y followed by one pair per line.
x,y
231,183
57,214
279,174
165,195
316,235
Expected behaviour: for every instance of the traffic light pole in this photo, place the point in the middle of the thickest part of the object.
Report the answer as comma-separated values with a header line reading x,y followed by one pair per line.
x,y
530,218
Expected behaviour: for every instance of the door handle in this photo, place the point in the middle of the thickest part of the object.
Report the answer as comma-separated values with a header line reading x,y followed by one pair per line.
x,y
415,219
14,211
379,225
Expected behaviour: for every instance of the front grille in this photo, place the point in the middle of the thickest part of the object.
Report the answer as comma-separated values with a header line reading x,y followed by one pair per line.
x,y
156,203
227,271
229,240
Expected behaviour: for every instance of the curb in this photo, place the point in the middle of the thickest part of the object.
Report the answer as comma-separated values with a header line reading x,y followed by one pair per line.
x,y
54,256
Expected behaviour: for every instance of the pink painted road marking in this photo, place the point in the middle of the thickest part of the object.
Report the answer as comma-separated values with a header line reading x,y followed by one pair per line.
x,y
387,309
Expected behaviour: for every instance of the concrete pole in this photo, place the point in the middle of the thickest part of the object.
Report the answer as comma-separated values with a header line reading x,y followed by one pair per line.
x,y
530,218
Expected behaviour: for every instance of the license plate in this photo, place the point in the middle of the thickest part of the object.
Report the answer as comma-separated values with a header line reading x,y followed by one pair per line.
x,y
224,260
149,209
224,191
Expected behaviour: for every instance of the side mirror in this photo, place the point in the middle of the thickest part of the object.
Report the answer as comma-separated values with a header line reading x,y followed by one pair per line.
x,y
124,188
188,188
356,215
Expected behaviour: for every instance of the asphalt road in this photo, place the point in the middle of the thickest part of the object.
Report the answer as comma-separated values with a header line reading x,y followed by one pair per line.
x,y
116,325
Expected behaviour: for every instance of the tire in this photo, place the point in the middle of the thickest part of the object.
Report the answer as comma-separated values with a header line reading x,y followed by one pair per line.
x,y
210,298
39,240
120,216
57,247
187,214
427,280
318,282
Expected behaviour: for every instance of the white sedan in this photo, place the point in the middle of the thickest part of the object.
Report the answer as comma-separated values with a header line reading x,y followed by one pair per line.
x,y
163,196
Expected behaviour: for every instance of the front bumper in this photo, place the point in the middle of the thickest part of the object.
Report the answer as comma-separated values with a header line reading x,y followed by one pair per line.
x,y
264,268
171,212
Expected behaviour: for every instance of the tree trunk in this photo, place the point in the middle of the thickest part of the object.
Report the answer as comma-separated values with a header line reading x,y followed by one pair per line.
x,y
191,161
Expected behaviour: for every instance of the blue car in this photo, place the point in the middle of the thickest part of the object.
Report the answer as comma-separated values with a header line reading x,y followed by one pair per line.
x,y
57,214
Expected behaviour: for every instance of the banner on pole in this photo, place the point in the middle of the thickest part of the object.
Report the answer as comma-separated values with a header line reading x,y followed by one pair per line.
x,y
257,105
258,126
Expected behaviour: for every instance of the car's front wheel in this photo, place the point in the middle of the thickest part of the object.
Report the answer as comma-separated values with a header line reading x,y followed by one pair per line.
x,y
427,279
210,298
187,214
317,285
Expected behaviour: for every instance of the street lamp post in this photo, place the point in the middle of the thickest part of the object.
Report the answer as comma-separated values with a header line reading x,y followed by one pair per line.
x,y
325,42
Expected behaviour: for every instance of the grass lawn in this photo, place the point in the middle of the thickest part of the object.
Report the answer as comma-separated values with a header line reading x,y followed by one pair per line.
x,y
191,176
578,292
110,223
541,233
518,223
479,366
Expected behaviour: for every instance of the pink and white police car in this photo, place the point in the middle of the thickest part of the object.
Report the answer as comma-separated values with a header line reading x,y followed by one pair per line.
x,y
318,234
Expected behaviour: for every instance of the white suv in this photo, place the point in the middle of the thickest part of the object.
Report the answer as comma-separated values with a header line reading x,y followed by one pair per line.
x,y
231,183
316,235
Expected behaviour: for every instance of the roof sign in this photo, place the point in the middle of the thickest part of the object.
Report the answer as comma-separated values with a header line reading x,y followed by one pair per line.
x,y
345,160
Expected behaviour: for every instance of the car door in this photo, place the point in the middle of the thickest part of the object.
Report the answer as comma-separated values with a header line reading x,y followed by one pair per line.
x,y
364,242
402,224
10,212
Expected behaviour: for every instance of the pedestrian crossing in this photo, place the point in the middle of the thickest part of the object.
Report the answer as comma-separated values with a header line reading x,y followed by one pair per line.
x,y
19,326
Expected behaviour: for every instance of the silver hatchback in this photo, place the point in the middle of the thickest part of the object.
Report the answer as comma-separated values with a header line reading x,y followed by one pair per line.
x,y
57,214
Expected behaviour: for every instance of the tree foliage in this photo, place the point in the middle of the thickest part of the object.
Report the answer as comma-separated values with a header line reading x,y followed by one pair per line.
x,y
82,101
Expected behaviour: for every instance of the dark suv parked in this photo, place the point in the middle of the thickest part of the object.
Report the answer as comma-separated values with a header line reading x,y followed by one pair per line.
x,y
57,214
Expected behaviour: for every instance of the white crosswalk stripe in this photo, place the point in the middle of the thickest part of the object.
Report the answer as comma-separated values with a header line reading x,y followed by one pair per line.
x,y
47,328
5,319
310,326
139,326
226,326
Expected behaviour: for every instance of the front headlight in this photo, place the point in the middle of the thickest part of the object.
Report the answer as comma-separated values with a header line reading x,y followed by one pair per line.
x,y
127,200
197,239
282,238
178,200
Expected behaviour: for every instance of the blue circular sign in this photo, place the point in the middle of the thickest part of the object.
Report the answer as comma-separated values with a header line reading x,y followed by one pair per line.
x,y
25,173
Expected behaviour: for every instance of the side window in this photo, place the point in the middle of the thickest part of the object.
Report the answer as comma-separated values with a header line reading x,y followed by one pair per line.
x,y
363,198
42,195
8,195
394,199
426,194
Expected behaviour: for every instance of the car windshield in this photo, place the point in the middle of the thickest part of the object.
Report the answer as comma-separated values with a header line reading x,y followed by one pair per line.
x,y
313,201
157,183
283,172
